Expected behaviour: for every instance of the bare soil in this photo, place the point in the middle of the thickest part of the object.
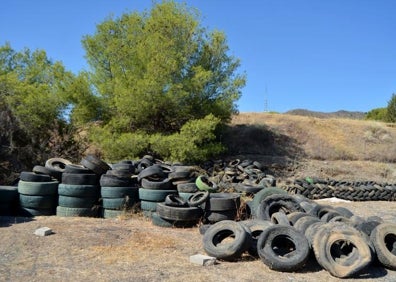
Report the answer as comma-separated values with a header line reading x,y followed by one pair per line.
x,y
133,249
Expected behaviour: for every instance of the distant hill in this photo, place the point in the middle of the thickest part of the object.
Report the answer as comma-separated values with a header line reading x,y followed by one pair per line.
x,y
338,114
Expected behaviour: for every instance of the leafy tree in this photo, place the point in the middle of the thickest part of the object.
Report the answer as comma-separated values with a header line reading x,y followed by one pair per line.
x,y
377,114
33,97
391,109
158,69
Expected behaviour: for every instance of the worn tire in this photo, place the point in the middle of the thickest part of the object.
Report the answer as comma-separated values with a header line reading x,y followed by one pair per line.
x,y
38,188
275,203
264,193
79,190
38,201
256,227
148,206
119,192
162,184
283,248
179,213
34,177
341,249
118,203
222,202
32,212
80,179
76,212
154,195
77,202
213,237
157,220
198,198
383,237
216,216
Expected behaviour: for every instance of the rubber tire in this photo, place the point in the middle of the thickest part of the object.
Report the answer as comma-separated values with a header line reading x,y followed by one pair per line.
x,y
38,188
256,227
186,196
179,213
383,237
324,245
93,163
79,190
34,177
264,193
163,222
148,206
32,212
118,203
164,184
119,192
187,187
173,200
198,198
275,203
77,202
280,237
77,169
38,201
108,180
108,213
154,195
8,194
216,216
80,179
222,202
226,229
76,212
280,218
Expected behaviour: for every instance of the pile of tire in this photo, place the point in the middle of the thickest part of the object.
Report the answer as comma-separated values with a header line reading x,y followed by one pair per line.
x,y
79,191
8,200
38,194
287,229
243,176
119,190
154,186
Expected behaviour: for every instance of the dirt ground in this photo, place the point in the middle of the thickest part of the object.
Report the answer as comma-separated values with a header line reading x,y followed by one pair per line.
x,y
132,249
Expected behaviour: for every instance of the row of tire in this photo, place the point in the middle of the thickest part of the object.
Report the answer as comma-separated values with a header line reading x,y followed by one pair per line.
x,y
286,230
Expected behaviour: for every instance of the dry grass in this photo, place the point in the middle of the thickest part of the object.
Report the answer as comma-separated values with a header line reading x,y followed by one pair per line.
x,y
299,144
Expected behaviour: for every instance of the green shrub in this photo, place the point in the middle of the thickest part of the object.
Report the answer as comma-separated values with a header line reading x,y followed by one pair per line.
x,y
377,114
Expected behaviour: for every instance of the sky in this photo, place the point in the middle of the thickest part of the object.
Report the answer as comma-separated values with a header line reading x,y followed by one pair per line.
x,y
320,55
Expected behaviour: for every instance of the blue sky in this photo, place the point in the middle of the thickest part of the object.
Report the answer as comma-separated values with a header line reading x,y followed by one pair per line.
x,y
311,54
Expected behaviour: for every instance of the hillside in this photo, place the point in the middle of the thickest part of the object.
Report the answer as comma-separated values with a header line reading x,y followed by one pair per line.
x,y
299,146
337,114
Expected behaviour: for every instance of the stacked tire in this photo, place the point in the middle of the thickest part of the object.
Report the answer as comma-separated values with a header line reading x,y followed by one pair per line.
x,y
221,206
119,190
38,194
154,187
79,191
8,200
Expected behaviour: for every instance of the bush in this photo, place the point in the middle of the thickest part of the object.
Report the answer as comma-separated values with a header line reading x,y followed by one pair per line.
x,y
391,110
377,114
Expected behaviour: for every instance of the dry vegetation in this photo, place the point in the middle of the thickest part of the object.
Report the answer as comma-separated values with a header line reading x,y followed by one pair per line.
x,y
323,147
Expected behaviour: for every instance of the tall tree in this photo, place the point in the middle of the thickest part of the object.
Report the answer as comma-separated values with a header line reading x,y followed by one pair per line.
x,y
158,69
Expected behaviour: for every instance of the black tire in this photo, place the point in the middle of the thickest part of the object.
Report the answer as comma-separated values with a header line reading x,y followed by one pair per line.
x,y
162,184
222,202
383,237
8,194
32,212
79,190
283,248
294,216
341,249
198,198
256,227
264,193
34,177
163,222
304,222
246,188
38,188
77,202
56,166
95,164
148,206
76,212
108,180
39,169
119,192
344,211
118,203
368,226
280,218
154,195
75,168
217,233
216,216
186,196
187,187
38,202
80,179
173,200
179,213
152,172
275,203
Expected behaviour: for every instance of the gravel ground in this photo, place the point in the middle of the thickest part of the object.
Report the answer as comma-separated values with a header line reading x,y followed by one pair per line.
x,y
91,249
